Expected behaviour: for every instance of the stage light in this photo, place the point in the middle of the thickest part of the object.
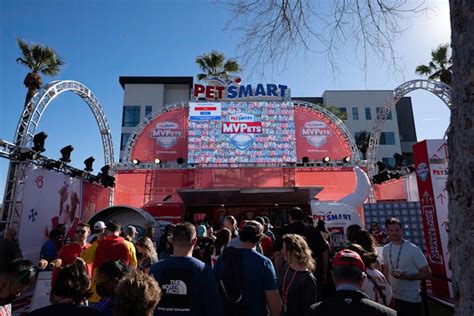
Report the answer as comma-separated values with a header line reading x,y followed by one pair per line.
x,y
25,153
66,153
381,177
38,142
105,169
157,161
305,159
136,161
52,164
88,163
326,159
381,166
398,160
346,159
105,179
180,160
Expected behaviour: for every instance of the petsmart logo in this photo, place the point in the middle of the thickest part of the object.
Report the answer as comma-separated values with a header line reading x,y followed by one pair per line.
x,y
166,134
243,126
316,133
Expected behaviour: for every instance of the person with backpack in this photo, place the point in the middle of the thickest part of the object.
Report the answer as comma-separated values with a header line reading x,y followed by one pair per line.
x,y
187,284
247,279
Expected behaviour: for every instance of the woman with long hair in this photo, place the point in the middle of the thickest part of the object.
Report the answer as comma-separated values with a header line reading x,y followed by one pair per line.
x,y
107,277
70,292
231,224
375,285
222,240
365,239
298,285
148,254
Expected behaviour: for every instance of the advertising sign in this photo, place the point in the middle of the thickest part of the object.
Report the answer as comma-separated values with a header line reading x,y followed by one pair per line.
x,y
163,138
204,111
317,136
248,132
49,199
431,163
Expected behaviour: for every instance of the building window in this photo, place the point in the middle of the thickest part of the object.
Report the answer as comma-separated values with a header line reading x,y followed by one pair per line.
x,y
343,112
124,140
368,114
389,162
387,138
389,116
355,114
131,116
148,109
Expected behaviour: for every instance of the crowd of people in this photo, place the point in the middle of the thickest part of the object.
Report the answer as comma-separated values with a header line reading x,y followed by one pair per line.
x,y
246,268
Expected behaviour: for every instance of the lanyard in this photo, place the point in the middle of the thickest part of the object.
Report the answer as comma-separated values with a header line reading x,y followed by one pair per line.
x,y
398,257
285,292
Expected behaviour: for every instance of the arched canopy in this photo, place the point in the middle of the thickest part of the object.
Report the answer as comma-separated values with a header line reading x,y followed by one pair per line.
x,y
125,215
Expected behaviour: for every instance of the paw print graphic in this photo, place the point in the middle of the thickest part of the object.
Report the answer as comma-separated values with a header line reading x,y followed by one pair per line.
x,y
39,182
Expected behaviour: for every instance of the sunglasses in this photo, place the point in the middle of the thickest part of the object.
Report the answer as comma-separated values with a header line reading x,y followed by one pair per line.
x,y
81,231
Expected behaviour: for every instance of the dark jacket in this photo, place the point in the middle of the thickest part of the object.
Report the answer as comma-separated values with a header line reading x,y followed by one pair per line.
x,y
350,303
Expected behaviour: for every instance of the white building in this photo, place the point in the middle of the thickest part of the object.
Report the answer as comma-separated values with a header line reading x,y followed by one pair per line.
x,y
143,95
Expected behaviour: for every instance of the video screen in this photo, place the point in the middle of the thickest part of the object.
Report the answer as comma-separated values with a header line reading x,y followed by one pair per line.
x,y
241,132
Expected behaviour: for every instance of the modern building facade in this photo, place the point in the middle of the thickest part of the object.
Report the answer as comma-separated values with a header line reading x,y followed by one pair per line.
x,y
143,95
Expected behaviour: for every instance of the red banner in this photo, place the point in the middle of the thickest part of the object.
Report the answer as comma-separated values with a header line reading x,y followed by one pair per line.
x,y
434,247
317,136
164,138
94,199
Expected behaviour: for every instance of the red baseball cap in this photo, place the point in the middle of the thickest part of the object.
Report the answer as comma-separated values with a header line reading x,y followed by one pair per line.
x,y
348,257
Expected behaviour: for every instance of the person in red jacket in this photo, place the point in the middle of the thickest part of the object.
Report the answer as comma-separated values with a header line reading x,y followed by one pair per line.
x,y
70,252
113,247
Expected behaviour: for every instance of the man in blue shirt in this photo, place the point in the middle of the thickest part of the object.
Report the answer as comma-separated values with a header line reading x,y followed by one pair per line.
x,y
252,273
50,249
188,285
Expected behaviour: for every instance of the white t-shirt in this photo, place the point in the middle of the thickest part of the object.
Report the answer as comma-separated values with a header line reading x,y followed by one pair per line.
x,y
410,261
371,290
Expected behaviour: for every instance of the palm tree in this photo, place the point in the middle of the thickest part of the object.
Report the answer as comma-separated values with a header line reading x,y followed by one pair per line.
x,y
362,142
38,59
439,67
214,64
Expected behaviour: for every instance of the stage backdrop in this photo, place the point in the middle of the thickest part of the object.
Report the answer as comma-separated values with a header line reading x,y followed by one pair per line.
x,y
50,198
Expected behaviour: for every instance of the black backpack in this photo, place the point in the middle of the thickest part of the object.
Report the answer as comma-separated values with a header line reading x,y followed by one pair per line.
x,y
231,282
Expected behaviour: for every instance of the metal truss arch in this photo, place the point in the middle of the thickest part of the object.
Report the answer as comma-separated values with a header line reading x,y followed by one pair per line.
x,y
439,89
33,112
126,161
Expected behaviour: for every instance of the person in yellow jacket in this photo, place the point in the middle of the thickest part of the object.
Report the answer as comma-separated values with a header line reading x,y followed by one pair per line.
x,y
89,257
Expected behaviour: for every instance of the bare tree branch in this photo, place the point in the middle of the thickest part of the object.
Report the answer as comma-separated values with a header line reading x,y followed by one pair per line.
x,y
273,31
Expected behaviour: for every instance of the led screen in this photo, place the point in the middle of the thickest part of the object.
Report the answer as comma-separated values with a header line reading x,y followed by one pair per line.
x,y
241,132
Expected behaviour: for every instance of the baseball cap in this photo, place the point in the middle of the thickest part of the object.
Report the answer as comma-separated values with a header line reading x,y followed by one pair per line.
x,y
348,257
99,225
130,230
201,231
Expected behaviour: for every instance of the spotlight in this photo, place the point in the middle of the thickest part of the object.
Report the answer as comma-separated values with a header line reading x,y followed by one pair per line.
x,y
157,161
105,169
66,153
346,159
381,177
398,160
180,161
305,159
26,154
38,142
381,166
136,161
105,179
326,159
88,162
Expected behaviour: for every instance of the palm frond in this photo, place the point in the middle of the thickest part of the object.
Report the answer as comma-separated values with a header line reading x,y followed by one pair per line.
x,y
423,70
